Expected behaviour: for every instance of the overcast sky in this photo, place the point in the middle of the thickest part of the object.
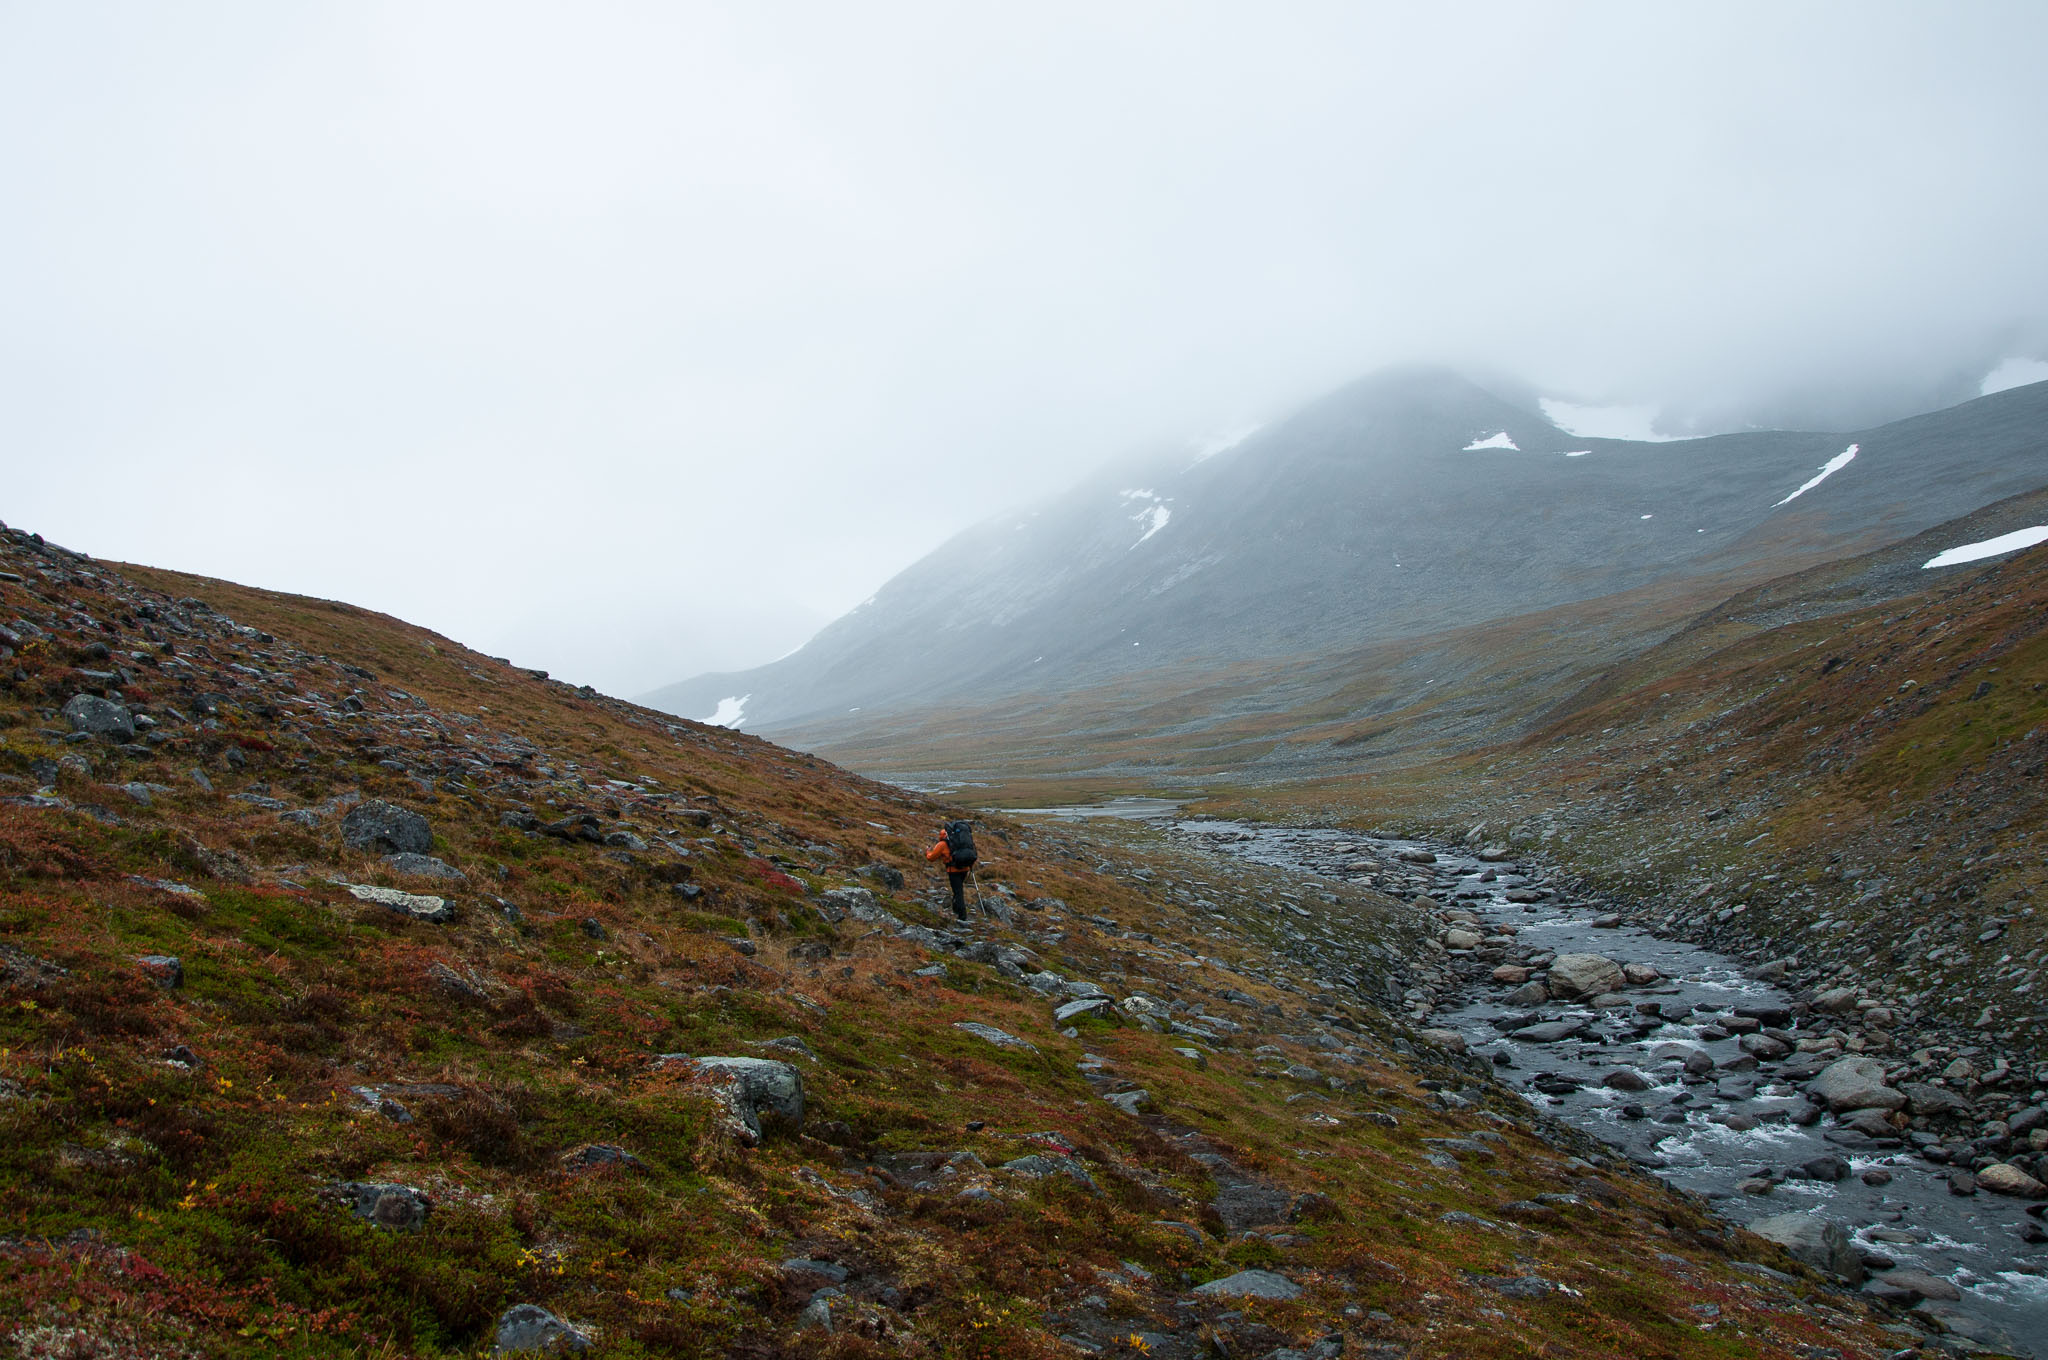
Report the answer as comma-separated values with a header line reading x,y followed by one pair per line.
x,y
637,340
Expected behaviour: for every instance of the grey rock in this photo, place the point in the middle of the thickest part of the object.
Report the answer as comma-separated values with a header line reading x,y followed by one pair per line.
x,y
1924,1098
1550,1032
529,1329
425,866
400,1208
1528,994
1920,1284
386,827
1855,1083
1130,1102
817,1314
1585,975
164,969
1763,1047
1251,1284
1075,1010
1822,1243
2001,1178
1000,1038
1039,1165
99,717
861,905
1517,1286
1448,1039
825,1270
748,1088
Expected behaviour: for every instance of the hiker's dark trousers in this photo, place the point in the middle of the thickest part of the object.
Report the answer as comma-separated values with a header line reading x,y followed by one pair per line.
x,y
958,878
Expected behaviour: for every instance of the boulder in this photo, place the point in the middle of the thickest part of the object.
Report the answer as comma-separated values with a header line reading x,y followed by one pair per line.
x,y
2001,1179
1460,938
1920,1285
1086,1006
1925,1098
860,904
1640,974
1550,1032
529,1329
1251,1284
1444,1038
1855,1083
747,1088
1528,994
1511,974
1585,975
1836,1000
100,717
387,828
1822,1243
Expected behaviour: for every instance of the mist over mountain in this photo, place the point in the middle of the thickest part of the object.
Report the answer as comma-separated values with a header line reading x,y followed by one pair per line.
x,y
1410,501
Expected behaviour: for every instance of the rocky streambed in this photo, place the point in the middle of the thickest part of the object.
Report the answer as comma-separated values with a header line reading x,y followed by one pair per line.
x,y
1915,1175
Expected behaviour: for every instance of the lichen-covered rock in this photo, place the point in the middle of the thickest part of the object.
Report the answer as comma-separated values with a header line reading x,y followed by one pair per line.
x,y
746,1089
1251,1284
529,1329
419,906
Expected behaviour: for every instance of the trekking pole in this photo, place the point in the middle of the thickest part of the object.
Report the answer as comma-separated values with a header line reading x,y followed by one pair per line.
x,y
975,878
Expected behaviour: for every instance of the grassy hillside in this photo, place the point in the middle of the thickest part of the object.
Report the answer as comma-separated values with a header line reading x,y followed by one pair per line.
x,y
216,1058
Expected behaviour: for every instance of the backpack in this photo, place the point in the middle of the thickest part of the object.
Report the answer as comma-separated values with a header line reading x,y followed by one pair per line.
x,y
960,844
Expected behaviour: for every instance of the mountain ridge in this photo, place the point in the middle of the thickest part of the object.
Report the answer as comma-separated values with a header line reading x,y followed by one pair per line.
x,y
1368,515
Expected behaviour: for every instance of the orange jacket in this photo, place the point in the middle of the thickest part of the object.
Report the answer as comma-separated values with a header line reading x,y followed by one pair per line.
x,y
943,853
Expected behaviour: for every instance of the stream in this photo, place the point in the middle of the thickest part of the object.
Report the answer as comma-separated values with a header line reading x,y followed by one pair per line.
x,y
1660,1074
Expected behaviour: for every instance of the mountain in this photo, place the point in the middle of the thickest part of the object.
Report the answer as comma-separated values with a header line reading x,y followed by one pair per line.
x,y
1408,503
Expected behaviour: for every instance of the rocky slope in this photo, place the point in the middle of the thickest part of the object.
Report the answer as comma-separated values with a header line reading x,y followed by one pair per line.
x,y
1408,503
1834,776
362,994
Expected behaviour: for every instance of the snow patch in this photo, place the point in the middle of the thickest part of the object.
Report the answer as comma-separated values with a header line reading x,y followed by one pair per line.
x,y
2013,373
1497,441
1646,517
1578,453
1828,469
1990,547
1154,519
1632,423
730,711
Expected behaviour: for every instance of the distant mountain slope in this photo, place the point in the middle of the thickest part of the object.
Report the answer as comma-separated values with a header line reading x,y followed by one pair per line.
x,y
1404,504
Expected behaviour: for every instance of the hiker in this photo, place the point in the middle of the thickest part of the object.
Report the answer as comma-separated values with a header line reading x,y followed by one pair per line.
x,y
955,850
